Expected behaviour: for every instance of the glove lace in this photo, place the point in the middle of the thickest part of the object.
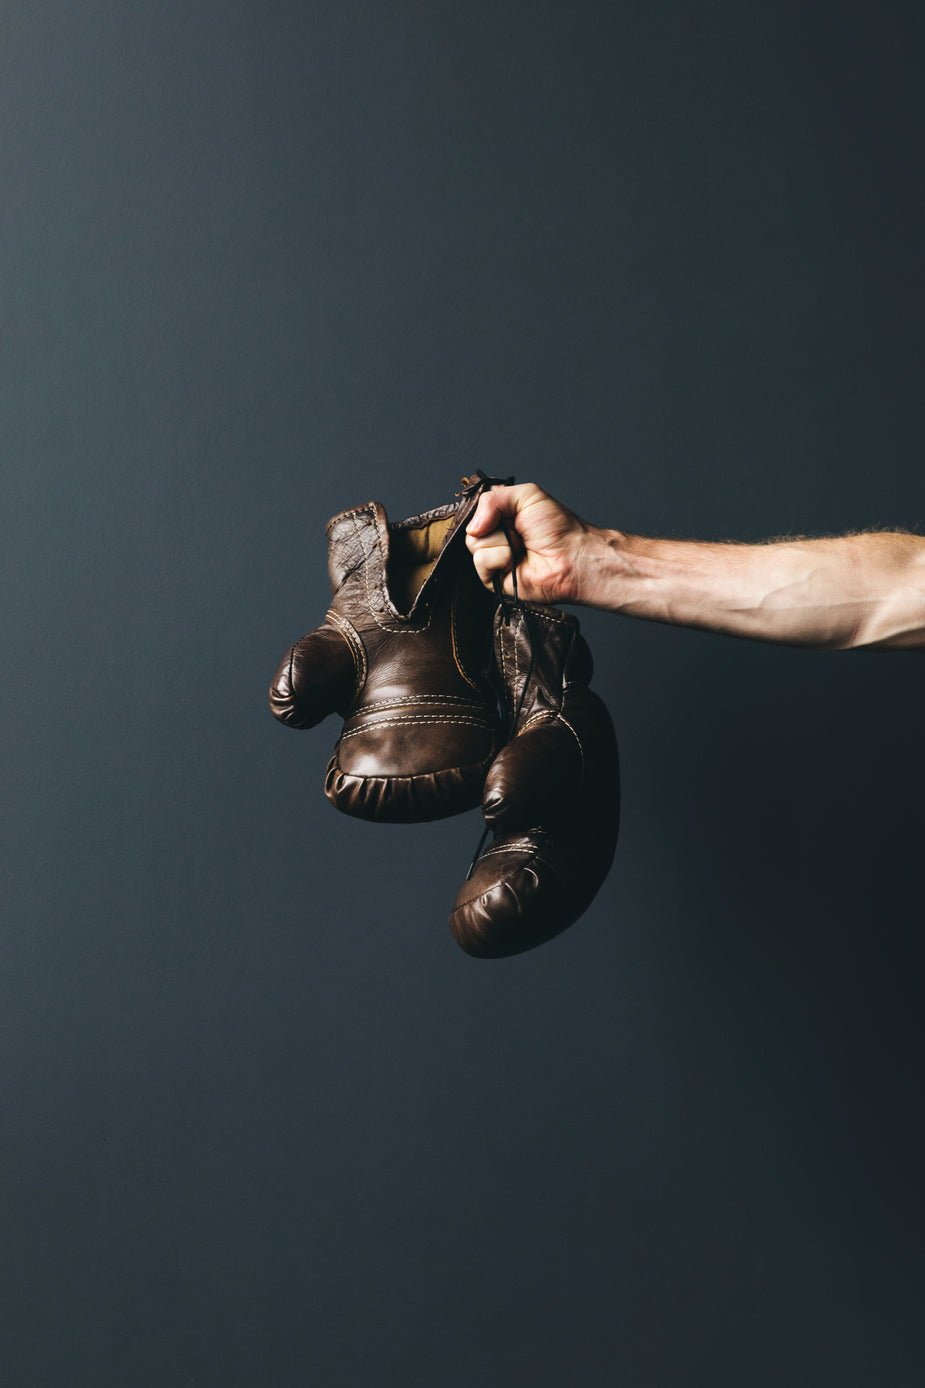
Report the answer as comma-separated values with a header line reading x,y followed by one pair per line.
x,y
508,605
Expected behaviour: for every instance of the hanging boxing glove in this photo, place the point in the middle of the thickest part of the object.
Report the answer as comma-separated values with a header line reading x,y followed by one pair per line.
x,y
552,794
401,657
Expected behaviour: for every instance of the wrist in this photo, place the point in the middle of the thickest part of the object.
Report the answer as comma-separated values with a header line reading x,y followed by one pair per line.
x,y
602,568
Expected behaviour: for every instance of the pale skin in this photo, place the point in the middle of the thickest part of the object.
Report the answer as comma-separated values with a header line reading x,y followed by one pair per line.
x,y
838,593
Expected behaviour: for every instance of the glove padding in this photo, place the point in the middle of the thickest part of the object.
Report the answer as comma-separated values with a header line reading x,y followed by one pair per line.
x,y
552,794
401,657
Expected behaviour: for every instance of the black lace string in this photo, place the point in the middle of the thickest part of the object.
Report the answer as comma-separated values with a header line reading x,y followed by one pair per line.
x,y
508,605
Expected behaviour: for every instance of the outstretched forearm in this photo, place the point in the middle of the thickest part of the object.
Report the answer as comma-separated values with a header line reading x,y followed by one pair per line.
x,y
839,593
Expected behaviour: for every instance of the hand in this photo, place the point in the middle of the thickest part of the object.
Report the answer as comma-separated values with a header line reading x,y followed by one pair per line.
x,y
549,542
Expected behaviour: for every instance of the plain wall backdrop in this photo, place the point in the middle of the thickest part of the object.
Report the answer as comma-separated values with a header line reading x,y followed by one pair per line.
x,y
262,1122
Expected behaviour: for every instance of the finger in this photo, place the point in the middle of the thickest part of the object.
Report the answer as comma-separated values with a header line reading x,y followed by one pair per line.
x,y
488,581
494,559
497,537
486,516
501,539
500,506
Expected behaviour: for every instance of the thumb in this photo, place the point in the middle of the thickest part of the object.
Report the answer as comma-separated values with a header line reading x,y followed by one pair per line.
x,y
486,517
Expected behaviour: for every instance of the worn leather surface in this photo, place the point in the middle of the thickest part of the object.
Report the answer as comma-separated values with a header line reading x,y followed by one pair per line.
x,y
551,797
420,719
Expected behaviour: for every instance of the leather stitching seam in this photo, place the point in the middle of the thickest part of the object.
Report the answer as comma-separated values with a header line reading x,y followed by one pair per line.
x,y
419,699
355,646
397,722
456,658
394,630
581,751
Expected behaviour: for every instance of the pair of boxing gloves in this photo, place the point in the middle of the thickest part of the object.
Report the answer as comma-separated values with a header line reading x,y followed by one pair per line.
x,y
450,697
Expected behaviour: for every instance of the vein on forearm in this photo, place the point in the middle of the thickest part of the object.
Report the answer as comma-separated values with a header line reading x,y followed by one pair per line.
x,y
866,588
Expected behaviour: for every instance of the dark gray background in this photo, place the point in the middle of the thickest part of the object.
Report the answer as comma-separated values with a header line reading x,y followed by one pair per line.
x,y
263,1123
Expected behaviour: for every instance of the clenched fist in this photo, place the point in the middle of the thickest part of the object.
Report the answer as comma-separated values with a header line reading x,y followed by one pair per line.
x,y
549,543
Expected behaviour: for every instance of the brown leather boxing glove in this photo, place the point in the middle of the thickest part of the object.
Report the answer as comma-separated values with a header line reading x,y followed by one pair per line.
x,y
401,656
552,795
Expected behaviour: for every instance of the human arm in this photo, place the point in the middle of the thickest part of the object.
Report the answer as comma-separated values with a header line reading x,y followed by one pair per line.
x,y
837,593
